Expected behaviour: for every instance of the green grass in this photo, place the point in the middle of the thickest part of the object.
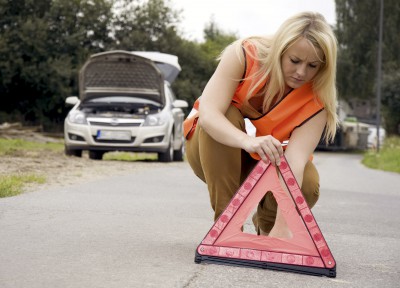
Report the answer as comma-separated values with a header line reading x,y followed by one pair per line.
x,y
12,147
11,185
387,159
128,156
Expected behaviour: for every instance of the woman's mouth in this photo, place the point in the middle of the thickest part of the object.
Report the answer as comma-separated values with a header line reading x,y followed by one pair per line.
x,y
297,79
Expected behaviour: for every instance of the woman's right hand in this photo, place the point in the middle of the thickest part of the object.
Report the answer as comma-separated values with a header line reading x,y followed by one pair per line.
x,y
267,147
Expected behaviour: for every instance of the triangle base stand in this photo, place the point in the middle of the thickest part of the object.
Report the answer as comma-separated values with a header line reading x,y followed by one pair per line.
x,y
306,252
308,270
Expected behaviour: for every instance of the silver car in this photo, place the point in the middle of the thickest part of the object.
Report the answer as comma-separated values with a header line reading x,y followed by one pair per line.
x,y
126,104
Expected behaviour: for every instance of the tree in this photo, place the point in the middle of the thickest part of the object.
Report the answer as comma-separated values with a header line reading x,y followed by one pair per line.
x,y
151,25
357,32
215,42
391,102
154,26
199,61
42,44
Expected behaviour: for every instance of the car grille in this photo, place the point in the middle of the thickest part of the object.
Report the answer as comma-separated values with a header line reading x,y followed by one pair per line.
x,y
114,124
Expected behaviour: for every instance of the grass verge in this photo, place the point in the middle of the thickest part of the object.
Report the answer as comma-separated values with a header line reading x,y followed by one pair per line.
x,y
128,156
10,147
387,159
11,185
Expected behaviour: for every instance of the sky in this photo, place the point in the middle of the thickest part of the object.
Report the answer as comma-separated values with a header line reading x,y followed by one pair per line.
x,y
245,17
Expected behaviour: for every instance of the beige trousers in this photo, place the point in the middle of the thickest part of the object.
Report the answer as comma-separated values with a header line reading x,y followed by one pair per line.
x,y
224,169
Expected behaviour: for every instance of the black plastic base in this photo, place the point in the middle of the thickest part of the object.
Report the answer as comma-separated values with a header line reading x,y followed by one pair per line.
x,y
315,271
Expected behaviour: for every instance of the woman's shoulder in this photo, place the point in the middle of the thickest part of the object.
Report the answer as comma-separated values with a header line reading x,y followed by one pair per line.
x,y
257,42
256,47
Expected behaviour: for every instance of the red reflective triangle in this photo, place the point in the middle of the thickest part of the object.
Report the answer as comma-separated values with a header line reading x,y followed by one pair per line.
x,y
306,252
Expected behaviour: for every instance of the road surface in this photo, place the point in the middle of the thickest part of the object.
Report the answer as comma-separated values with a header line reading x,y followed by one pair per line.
x,y
141,229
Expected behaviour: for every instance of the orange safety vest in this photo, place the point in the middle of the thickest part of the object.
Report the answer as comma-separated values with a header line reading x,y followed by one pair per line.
x,y
292,111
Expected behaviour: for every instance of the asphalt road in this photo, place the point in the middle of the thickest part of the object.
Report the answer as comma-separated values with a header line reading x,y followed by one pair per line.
x,y
141,229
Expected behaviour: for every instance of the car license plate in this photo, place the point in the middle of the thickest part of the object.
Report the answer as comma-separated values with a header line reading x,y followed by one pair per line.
x,y
113,135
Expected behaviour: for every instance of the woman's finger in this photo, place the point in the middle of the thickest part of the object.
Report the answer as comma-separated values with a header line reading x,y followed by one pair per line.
x,y
273,150
263,155
271,154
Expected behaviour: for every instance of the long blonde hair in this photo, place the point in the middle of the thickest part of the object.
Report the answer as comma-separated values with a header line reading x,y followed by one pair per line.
x,y
269,50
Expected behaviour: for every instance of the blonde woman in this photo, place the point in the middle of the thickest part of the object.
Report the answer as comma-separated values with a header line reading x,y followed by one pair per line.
x,y
285,84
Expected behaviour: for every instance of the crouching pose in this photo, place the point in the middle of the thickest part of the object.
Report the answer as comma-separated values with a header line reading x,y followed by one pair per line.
x,y
285,84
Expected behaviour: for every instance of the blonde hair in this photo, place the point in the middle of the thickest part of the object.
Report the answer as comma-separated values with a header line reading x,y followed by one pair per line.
x,y
269,50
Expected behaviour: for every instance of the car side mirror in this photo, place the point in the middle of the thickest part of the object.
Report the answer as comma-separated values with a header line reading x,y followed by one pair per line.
x,y
180,104
71,100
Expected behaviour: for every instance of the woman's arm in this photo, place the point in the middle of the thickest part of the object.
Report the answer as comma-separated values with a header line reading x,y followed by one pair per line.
x,y
303,142
217,97
215,100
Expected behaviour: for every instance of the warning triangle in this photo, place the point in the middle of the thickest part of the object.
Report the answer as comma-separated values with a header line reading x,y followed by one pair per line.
x,y
305,252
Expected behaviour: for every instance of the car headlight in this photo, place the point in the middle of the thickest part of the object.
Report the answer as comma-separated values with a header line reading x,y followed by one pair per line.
x,y
77,117
157,119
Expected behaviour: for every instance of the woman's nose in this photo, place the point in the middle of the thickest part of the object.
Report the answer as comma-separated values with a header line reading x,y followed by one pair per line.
x,y
301,70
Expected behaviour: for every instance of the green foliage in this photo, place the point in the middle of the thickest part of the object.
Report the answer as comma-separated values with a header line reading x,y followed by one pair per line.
x,y
357,31
391,102
149,25
11,185
199,61
154,26
44,43
197,68
388,159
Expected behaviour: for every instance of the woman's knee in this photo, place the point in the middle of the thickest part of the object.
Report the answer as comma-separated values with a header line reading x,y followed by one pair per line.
x,y
310,186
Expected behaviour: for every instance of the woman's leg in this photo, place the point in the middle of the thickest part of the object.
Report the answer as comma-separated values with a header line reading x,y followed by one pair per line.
x,y
267,209
221,167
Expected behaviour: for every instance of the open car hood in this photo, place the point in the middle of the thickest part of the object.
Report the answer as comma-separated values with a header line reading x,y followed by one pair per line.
x,y
167,63
123,73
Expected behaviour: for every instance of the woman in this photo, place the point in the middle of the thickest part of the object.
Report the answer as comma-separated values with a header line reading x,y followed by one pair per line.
x,y
285,84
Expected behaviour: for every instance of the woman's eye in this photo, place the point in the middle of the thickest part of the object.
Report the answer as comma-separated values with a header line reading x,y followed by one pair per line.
x,y
294,61
313,66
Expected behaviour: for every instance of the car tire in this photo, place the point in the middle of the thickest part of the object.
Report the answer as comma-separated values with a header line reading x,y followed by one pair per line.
x,y
72,152
178,154
96,155
168,155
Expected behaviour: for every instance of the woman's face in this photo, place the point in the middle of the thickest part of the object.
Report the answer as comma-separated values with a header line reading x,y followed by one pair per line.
x,y
300,63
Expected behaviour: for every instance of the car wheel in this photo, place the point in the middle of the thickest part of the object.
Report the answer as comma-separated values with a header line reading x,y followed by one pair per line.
x,y
168,155
178,154
96,155
72,152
